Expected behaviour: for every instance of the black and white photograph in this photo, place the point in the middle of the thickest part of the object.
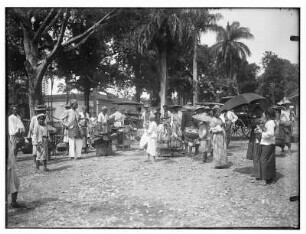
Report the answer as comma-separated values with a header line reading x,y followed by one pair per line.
x,y
152,116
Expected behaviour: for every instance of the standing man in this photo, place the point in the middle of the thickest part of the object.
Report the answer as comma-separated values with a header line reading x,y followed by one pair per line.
x,y
84,120
71,119
118,118
102,120
228,117
16,128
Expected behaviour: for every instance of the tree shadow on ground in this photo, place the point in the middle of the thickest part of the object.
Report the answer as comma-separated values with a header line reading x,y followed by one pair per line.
x,y
24,157
231,147
59,168
229,165
244,170
29,206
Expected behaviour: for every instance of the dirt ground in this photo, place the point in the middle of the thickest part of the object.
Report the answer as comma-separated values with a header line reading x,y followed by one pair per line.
x,y
126,191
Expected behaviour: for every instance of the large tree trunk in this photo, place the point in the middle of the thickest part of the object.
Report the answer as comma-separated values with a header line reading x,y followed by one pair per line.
x,y
195,71
35,71
163,78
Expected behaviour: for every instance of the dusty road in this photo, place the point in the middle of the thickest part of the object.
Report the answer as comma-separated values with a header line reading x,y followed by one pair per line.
x,y
126,191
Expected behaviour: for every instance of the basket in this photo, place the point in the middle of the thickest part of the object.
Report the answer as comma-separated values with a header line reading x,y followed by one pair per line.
x,y
192,133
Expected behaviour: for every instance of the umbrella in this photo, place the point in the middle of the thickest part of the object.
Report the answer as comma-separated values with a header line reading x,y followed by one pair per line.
x,y
245,98
202,117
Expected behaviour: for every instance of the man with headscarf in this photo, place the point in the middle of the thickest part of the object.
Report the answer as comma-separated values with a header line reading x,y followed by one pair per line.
x,y
71,119
16,129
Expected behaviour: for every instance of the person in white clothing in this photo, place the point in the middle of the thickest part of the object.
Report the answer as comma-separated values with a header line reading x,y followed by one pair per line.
x,y
118,118
228,117
152,138
103,120
83,123
267,170
71,120
16,129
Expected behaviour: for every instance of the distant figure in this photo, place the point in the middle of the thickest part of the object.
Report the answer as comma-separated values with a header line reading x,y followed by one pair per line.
x,y
65,131
285,127
152,138
205,140
118,118
218,141
253,151
33,123
71,119
103,120
16,129
176,122
83,124
145,116
40,140
229,118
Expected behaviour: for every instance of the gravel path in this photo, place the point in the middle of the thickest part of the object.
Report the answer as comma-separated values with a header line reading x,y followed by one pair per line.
x,y
125,191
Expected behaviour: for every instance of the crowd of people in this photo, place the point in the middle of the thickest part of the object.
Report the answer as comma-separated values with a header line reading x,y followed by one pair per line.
x,y
208,135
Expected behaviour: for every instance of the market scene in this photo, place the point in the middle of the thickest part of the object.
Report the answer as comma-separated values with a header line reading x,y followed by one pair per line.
x,y
131,118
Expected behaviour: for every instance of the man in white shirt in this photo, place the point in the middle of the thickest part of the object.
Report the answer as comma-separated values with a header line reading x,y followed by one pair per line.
x,y
118,118
102,120
16,128
228,117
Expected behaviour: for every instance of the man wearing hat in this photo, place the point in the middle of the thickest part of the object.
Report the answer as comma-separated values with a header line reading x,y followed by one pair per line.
x,y
16,128
40,109
71,119
102,120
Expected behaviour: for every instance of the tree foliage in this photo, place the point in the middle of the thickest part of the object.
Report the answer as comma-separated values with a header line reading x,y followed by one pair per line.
x,y
230,50
280,73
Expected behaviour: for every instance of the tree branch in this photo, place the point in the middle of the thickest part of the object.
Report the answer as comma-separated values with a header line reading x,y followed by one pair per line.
x,y
79,37
60,37
52,22
72,47
44,25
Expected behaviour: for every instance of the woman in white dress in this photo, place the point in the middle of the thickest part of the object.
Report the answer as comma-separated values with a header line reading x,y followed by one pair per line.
x,y
152,138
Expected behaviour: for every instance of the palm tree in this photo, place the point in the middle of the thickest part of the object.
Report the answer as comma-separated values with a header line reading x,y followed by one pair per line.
x,y
230,51
161,32
198,21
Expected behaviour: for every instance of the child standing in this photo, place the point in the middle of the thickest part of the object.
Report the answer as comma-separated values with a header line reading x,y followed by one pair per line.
x,y
152,137
40,140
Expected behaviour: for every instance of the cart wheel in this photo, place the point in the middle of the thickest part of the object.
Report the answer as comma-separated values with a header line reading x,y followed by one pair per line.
x,y
247,131
237,129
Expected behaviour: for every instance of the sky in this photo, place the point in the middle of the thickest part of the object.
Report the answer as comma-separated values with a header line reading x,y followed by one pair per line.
x,y
271,27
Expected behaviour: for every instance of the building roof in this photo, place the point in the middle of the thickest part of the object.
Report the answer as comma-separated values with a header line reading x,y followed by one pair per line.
x,y
80,97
